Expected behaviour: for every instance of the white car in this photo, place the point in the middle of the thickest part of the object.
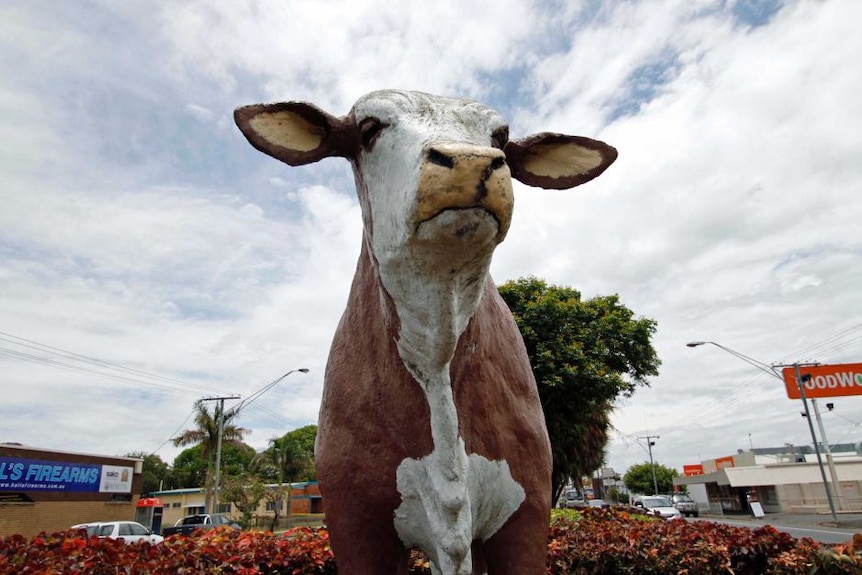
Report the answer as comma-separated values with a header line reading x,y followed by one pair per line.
x,y
660,505
129,531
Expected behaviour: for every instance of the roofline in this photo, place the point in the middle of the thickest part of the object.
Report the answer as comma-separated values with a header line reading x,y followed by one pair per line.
x,y
296,484
64,452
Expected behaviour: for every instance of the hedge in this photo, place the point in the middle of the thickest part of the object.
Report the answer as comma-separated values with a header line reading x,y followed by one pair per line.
x,y
594,542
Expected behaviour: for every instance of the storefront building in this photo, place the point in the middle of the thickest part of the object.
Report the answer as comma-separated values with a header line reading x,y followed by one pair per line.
x,y
300,499
789,484
47,490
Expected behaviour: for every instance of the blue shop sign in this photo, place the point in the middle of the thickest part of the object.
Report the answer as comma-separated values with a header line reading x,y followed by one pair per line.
x,y
18,474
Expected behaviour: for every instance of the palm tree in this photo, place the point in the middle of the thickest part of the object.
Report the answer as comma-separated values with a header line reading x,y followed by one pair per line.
x,y
206,435
288,458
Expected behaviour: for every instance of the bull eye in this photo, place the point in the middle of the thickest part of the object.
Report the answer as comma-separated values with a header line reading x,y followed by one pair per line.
x,y
500,137
498,163
369,130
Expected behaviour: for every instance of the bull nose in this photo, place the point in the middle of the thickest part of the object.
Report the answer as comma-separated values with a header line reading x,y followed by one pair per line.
x,y
461,176
448,155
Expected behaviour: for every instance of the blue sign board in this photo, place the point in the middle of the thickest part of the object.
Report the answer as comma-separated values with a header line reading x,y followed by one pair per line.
x,y
18,474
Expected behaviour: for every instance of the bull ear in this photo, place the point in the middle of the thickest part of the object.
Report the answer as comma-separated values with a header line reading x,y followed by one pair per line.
x,y
557,161
296,133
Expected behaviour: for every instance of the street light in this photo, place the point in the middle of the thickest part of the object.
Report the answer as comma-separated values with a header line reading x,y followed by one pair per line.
x,y
650,443
234,411
800,379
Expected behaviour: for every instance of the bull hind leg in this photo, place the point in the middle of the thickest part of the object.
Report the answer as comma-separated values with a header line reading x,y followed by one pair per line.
x,y
517,548
367,549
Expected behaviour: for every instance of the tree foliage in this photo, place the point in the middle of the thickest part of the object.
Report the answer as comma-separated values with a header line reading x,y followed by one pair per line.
x,y
638,479
205,436
245,491
585,354
156,474
289,457
190,467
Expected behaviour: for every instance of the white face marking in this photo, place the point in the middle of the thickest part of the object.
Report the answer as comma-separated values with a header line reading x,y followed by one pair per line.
x,y
415,263
435,273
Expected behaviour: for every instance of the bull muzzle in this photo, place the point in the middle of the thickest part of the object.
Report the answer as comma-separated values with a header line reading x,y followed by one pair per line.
x,y
462,177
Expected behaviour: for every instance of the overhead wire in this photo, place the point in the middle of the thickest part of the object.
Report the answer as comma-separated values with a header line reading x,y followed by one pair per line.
x,y
92,365
174,434
742,390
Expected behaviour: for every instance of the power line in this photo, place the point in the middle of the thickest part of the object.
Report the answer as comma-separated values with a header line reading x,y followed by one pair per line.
x,y
176,431
73,361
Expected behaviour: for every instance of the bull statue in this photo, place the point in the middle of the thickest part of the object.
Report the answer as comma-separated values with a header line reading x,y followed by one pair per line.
x,y
431,434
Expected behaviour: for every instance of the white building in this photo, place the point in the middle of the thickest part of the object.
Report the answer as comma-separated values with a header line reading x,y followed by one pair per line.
x,y
785,479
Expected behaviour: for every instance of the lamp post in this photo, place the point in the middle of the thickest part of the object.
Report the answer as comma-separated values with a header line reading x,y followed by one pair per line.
x,y
650,443
800,379
233,412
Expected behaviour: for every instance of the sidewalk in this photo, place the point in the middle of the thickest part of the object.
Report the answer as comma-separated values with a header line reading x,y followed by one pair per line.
x,y
846,519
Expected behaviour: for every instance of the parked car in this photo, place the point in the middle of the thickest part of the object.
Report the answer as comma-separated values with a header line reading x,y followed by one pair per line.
x,y
129,531
600,503
206,521
92,529
686,505
659,505
574,500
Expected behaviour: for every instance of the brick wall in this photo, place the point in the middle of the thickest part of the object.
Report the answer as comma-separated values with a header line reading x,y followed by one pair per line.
x,y
29,519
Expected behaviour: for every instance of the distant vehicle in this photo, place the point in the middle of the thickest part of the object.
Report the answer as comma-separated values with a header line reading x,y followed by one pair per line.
x,y
128,531
686,505
600,503
659,505
573,500
205,521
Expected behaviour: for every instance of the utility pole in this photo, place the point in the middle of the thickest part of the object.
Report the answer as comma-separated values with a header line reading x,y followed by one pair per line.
x,y
800,383
216,483
650,443
830,462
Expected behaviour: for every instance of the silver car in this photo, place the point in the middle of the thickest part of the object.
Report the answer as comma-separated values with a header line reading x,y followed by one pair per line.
x,y
686,505
658,505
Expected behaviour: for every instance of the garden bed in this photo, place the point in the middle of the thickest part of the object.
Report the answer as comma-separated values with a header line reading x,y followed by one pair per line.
x,y
593,541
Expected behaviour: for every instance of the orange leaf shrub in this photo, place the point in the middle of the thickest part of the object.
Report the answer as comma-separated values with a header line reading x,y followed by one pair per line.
x,y
594,542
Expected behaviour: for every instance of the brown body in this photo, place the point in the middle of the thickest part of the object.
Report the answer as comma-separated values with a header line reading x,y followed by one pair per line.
x,y
374,415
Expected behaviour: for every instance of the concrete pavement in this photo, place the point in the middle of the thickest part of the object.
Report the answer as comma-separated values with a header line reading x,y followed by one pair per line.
x,y
845,520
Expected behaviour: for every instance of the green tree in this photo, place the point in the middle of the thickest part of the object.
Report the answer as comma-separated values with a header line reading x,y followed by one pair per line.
x,y
190,466
205,435
288,458
245,492
155,472
584,354
638,479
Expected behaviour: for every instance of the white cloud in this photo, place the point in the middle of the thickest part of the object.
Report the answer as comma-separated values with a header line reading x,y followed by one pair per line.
x,y
137,225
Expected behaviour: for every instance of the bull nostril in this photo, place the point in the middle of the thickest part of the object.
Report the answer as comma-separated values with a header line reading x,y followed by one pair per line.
x,y
441,159
498,163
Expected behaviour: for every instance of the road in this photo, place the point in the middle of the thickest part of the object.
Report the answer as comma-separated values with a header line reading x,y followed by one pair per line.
x,y
818,533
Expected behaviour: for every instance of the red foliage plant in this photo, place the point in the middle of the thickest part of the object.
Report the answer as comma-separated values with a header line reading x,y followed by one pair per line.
x,y
595,542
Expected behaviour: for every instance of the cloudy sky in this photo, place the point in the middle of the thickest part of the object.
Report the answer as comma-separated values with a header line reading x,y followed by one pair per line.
x,y
150,257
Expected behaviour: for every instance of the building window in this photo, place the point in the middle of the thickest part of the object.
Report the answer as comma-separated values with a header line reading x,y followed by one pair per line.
x,y
195,510
176,504
273,505
224,507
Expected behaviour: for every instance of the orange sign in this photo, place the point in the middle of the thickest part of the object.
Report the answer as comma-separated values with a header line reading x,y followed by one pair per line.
x,y
826,380
722,462
690,470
